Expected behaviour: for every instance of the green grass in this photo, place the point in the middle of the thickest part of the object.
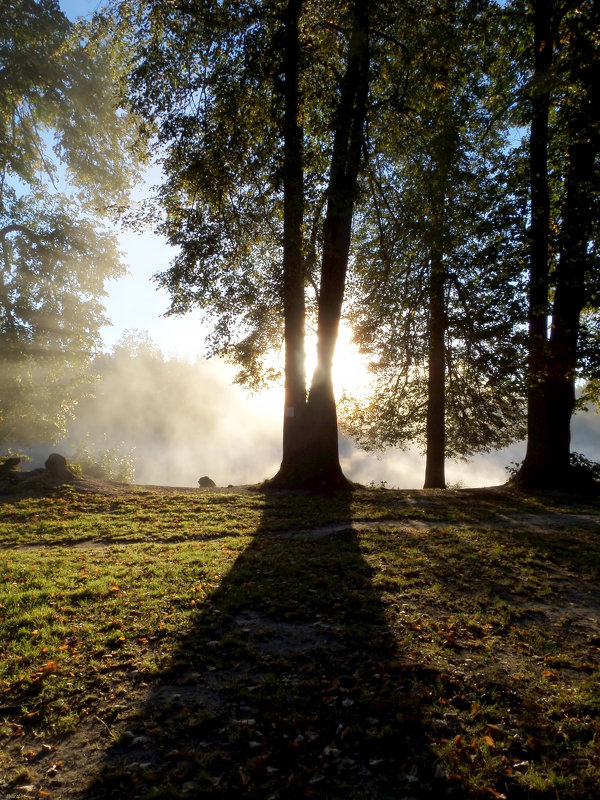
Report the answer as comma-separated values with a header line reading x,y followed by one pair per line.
x,y
175,645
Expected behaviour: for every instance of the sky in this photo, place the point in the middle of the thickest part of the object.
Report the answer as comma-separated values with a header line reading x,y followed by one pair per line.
x,y
135,302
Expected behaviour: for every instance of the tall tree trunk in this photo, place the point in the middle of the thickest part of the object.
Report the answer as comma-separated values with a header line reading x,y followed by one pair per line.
x,y
538,410
583,130
569,301
552,391
319,463
444,154
293,259
435,476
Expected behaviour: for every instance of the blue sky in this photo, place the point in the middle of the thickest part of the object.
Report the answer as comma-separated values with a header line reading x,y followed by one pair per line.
x,y
135,301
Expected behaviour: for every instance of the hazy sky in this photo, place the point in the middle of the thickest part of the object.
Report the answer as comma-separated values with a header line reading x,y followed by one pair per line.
x,y
134,302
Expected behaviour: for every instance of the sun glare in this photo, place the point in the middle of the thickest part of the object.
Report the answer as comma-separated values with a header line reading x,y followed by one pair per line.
x,y
350,374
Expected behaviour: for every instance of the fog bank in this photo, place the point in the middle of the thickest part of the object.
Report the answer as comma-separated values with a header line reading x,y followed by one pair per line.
x,y
181,420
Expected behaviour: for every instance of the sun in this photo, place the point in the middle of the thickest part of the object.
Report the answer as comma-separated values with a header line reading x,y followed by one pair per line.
x,y
351,373
350,368
351,376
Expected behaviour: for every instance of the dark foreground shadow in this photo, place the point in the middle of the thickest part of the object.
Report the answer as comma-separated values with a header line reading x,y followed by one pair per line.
x,y
288,684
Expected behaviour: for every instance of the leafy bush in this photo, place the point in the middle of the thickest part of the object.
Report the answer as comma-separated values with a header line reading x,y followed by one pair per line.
x,y
582,467
113,463
583,472
4,457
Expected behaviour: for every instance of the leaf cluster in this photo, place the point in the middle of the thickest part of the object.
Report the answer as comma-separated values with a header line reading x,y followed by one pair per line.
x,y
442,179
67,158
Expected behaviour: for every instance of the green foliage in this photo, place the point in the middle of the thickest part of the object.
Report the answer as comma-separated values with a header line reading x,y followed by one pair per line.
x,y
583,469
66,160
442,189
194,68
9,454
115,463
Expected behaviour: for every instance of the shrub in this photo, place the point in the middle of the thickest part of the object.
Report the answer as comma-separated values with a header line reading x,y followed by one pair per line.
x,y
583,473
108,463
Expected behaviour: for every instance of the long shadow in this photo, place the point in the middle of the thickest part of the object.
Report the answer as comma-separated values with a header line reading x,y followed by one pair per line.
x,y
288,684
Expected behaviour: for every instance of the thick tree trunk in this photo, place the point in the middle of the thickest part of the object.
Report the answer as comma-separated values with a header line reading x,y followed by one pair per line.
x,y
538,408
583,129
435,476
318,463
293,259
548,448
569,301
322,433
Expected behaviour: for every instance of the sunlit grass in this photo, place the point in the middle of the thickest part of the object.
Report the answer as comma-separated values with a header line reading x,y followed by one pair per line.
x,y
476,639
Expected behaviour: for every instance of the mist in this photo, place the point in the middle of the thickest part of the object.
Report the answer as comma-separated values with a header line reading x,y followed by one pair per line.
x,y
181,419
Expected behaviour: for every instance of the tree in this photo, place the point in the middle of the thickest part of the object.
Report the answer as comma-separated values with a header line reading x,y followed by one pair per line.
x,y
245,197
437,290
63,152
564,147
318,461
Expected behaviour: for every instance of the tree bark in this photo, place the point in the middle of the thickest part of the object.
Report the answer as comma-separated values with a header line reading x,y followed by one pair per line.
x,y
435,475
293,258
538,409
322,441
553,396
570,296
318,462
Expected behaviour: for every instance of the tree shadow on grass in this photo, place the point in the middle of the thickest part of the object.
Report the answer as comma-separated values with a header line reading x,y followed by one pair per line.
x,y
287,684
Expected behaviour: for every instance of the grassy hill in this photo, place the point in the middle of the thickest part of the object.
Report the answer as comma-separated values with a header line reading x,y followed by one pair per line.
x,y
370,644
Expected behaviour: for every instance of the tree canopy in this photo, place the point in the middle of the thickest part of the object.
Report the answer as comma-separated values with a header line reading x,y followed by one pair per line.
x,y
67,157
314,154
438,298
279,122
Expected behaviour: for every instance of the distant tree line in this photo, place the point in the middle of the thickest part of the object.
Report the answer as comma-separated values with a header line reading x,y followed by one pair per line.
x,y
432,165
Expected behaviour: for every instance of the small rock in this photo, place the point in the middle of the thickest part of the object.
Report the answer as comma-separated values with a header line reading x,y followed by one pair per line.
x,y
206,483
57,466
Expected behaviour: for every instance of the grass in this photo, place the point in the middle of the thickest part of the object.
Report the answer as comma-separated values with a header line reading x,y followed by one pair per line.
x,y
430,644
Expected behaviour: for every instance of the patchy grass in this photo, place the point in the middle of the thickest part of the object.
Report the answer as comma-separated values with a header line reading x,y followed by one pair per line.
x,y
373,644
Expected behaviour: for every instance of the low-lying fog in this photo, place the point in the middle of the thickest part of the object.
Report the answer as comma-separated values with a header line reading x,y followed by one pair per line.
x,y
182,420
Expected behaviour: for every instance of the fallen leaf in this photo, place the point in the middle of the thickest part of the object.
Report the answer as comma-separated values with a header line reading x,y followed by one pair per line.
x,y
493,730
244,778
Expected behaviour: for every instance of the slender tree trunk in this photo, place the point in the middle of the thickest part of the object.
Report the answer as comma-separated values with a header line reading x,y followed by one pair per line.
x,y
538,410
439,186
435,477
293,259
